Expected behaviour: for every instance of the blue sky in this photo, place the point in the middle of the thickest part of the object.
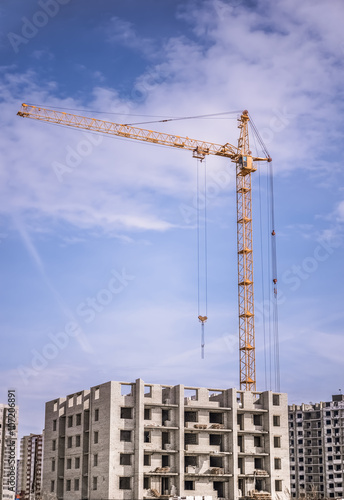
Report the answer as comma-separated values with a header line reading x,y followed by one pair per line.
x,y
99,264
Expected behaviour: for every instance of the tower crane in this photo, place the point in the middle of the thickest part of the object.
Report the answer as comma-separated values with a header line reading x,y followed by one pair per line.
x,y
245,165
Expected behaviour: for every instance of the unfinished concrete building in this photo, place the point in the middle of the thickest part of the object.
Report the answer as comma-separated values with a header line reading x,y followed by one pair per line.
x,y
317,448
139,441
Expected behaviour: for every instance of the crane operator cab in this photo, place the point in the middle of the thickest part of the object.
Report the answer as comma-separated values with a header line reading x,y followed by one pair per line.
x,y
246,164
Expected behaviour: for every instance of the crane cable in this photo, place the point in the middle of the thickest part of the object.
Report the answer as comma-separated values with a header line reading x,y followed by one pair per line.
x,y
202,252
269,249
272,258
259,138
262,278
162,120
274,273
263,281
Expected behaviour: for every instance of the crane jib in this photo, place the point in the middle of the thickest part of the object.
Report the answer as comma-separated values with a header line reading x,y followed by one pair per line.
x,y
62,118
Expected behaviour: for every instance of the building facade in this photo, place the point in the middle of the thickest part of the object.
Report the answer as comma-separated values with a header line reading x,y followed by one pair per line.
x,y
139,441
30,467
316,433
8,450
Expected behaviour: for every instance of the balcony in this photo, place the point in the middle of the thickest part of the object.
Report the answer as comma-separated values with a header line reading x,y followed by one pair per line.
x,y
256,473
256,452
161,471
255,430
259,495
167,425
213,405
190,425
211,472
195,449
191,469
261,473
213,428
166,404
160,450
216,471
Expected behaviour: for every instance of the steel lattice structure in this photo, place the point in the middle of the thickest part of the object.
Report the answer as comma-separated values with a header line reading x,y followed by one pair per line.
x,y
241,156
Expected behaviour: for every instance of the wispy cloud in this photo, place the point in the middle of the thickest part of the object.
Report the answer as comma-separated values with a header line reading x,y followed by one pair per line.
x,y
29,245
340,211
120,31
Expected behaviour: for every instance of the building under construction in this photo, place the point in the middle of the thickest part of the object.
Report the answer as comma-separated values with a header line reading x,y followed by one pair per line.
x,y
139,441
317,449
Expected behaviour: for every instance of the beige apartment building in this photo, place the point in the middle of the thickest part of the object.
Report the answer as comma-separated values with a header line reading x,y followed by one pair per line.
x,y
317,449
29,481
136,441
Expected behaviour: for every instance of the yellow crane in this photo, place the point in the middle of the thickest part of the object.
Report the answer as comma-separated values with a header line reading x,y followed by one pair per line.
x,y
242,157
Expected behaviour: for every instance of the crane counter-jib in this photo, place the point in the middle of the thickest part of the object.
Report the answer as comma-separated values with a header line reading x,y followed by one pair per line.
x,y
128,131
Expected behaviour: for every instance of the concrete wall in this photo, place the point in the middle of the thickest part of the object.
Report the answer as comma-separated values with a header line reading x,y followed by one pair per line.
x,y
316,448
151,440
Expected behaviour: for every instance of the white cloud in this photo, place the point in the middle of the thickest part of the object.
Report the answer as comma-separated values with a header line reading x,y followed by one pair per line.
x,y
340,211
123,32
243,61
42,54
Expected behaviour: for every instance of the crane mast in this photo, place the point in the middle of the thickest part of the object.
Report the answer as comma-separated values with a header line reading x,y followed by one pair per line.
x,y
244,167
242,157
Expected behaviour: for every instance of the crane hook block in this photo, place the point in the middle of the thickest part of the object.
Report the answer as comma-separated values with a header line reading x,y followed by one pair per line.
x,y
202,319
